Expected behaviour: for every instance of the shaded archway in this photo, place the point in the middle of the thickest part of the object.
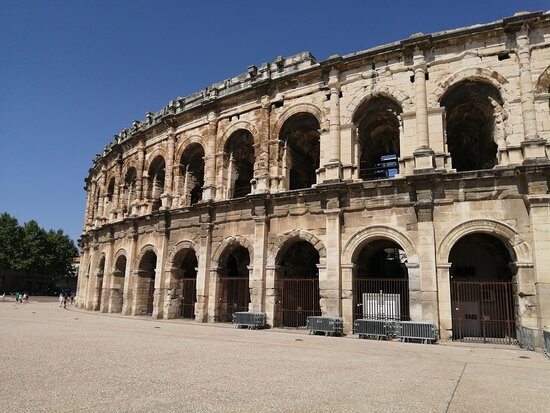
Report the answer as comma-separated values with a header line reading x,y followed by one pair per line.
x,y
300,139
109,198
380,282
145,283
183,283
117,291
192,174
474,117
234,282
297,284
238,163
378,123
155,181
482,289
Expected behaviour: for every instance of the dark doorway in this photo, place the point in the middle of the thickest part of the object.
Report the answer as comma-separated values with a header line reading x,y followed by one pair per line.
x,y
146,283
184,282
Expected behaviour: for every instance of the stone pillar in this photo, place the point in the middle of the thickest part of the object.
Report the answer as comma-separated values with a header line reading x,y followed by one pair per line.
x,y
209,188
539,212
261,181
423,277
213,288
333,168
533,148
330,290
347,297
424,155
82,274
203,273
90,284
130,280
101,188
257,280
87,213
162,275
139,179
271,294
166,197
444,301
107,278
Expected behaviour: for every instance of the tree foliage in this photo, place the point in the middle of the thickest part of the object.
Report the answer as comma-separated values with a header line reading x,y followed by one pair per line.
x,y
32,249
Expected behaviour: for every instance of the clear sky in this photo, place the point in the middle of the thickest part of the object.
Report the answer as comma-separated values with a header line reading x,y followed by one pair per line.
x,y
73,73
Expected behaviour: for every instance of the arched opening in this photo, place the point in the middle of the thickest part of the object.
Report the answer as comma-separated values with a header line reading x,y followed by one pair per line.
x,y
378,123
233,276
192,174
381,282
156,182
110,196
482,289
297,284
99,286
239,163
300,139
117,292
129,191
473,111
145,285
184,283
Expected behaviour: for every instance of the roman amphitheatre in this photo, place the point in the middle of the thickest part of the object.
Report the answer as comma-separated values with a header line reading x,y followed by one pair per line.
x,y
417,168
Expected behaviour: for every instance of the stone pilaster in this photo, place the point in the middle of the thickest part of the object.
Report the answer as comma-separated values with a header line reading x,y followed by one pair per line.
x,y
330,290
333,166
203,274
209,188
257,280
139,179
166,197
130,280
162,275
261,181
423,155
107,279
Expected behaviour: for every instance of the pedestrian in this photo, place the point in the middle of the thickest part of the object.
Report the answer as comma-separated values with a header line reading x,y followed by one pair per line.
x,y
3,296
64,301
16,297
72,299
60,299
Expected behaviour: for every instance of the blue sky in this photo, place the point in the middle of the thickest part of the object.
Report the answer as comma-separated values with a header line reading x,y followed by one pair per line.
x,y
73,73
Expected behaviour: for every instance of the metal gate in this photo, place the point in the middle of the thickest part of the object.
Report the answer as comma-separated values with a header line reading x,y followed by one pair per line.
x,y
234,296
189,296
483,311
150,295
299,299
381,299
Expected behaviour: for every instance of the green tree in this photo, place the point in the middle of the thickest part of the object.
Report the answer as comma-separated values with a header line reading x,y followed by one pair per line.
x,y
11,236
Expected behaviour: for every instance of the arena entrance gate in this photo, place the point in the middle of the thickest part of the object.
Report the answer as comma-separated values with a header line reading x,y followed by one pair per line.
x,y
234,289
482,290
298,285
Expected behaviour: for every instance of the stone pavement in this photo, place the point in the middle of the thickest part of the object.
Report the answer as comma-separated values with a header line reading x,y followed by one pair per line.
x,y
67,360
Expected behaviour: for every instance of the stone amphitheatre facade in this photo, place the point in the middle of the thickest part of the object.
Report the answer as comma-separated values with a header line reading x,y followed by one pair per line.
x,y
418,170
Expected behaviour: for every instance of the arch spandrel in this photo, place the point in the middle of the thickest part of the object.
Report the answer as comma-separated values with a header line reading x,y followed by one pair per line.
x,y
227,244
376,232
234,127
387,91
474,74
543,82
282,241
519,249
182,245
185,143
152,157
294,110
146,248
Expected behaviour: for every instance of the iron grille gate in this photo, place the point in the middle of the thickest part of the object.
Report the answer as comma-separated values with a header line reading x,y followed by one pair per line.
x,y
381,299
483,311
189,296
234,297
299,299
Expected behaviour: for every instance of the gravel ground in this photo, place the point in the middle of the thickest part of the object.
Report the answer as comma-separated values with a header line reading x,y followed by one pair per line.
x,y
68,360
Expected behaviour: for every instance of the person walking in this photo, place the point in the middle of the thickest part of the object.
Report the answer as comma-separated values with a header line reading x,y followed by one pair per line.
x,y
60,299
64,301
16,297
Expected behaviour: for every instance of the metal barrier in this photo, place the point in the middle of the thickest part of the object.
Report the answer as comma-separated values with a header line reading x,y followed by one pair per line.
x,y
250,319
414,330
378,329
330,326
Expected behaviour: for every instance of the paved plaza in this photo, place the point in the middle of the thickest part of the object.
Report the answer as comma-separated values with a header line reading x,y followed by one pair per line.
x,y
67,360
